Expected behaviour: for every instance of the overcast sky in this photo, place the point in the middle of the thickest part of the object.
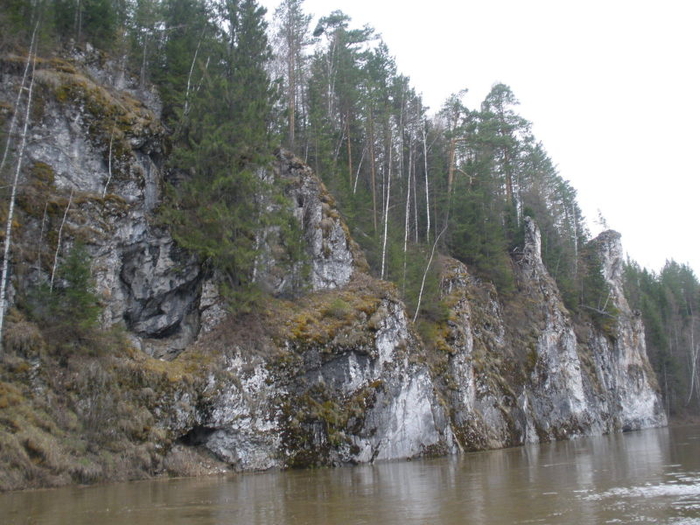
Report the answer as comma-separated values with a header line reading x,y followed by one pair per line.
x,y
612,88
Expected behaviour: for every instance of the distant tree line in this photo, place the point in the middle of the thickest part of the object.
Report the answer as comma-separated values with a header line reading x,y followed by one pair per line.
x,y
669,302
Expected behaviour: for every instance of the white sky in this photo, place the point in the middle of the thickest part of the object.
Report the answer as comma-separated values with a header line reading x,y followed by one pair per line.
x,y
612,88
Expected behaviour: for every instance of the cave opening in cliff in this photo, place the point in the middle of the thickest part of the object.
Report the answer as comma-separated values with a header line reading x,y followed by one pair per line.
x,y
197,436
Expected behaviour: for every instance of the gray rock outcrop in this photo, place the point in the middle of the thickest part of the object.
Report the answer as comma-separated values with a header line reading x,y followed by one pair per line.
x,y
99,148
331,371
621,361
508,387
339,402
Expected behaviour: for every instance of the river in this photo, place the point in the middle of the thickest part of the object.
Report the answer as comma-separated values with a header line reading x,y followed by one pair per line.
x,y
652,476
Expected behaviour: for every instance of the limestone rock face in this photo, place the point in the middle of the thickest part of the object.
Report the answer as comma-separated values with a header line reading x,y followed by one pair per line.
x,y
480,418
93,165
557,399
331,371
331,254
314,394
621,361
519,373
245,427
96,156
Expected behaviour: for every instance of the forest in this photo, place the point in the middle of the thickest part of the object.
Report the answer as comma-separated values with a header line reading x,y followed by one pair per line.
x,y
411,182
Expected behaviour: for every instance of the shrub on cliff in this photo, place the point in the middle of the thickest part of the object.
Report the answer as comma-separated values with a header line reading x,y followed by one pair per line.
x,y
70,309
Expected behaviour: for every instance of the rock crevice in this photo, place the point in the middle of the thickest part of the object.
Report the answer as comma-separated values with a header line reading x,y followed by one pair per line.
x,y
332,371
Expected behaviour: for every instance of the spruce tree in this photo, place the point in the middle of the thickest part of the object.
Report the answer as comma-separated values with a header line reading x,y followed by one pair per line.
x,y
187,45
218,209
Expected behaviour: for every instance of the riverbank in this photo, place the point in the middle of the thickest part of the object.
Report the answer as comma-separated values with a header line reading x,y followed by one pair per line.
x,y
654,480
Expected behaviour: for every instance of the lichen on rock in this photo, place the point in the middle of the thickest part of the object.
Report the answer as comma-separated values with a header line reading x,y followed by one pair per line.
x,y
557,385
329,370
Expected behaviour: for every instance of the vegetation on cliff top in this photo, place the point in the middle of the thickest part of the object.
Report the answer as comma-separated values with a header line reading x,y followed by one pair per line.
x,y
335,97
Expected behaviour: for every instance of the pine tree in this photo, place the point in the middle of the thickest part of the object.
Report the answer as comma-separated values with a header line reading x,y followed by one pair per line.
x,y
250,97
292,37
505,132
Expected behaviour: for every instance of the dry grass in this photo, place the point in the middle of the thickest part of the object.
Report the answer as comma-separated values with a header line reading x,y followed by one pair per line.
x,y
78,415
184,461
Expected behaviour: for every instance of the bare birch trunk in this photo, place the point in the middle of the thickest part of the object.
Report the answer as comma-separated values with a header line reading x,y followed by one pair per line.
x,y
58,242
693,358
347,127
144,63
372,170
450,179
13,120
427,187
575,221
109,164
291,81
425,274
357,175
412,170
693,367
386,214
186,109
407,222
11,210
408,206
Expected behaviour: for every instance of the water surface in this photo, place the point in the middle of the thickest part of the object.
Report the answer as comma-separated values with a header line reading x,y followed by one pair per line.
x,y
652,476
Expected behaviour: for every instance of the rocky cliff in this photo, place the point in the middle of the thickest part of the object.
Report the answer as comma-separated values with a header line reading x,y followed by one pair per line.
x,y
331,372
522,370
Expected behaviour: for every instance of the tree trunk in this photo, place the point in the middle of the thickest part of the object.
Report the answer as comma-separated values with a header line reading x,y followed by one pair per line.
x,y
58,241
408,204
186,109
357,176
406,223
109,164
425,274
372,170
347,128
386,213
693,358
13,196
412,172
450,179
291,88
427,187
142,76
13,120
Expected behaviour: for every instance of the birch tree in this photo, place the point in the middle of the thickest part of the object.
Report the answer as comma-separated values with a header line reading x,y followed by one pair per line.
x,y
386,212
13,191
292,38
18,100
427,184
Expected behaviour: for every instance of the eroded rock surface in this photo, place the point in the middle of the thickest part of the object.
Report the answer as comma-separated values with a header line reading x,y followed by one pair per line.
x,y
332,371
539,382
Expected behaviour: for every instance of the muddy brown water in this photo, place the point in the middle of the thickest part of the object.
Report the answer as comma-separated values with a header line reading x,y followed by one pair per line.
x,y
652,476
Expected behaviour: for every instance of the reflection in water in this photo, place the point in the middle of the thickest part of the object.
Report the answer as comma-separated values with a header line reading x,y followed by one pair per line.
x,y
649,476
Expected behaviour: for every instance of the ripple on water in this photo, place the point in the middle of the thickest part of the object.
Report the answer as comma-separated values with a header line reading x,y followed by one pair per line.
x,y
683,490
650,491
